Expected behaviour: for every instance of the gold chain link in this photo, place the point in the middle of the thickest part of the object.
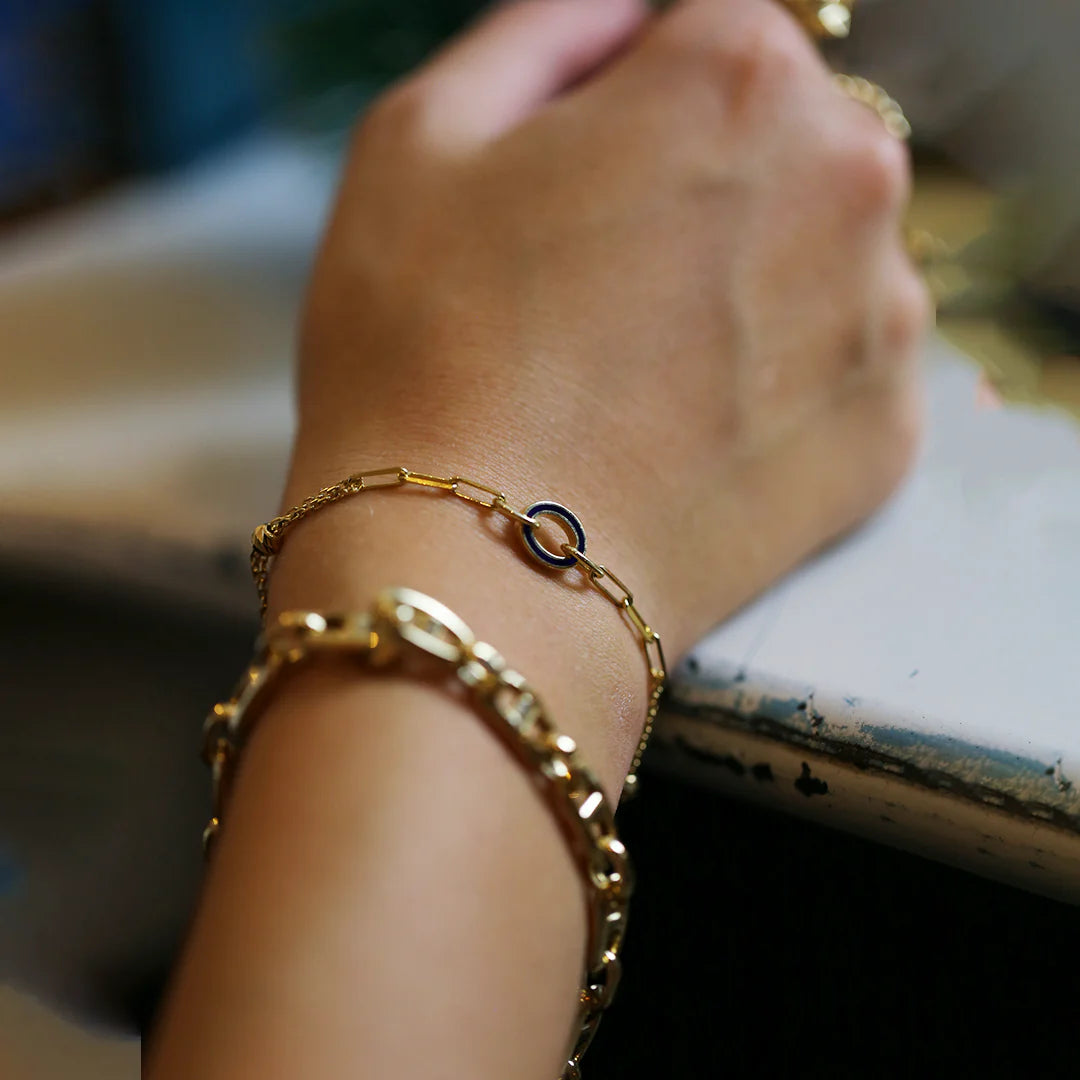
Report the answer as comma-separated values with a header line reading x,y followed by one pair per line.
x,y
267,539
877,98
405,618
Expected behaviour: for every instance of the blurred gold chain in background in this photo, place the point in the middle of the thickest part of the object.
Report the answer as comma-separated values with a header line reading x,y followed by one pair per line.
x,y
964,240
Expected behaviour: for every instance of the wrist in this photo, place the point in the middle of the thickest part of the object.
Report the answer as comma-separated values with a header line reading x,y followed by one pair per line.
x,y
578,648
374,820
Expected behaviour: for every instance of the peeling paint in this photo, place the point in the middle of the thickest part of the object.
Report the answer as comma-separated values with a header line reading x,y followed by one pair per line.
x,y
725,761
780,708
761,772
1021,786
1056,772
807,784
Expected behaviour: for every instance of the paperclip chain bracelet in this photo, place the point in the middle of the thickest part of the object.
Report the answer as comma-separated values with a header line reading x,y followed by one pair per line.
x,y
267,539
402,619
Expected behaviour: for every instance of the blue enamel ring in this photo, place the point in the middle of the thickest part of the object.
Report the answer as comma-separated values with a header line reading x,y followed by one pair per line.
x,y
561,514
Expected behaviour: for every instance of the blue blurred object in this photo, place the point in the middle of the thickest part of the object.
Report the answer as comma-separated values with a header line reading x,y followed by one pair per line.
x,y
90,88
190,75
95,88
53,131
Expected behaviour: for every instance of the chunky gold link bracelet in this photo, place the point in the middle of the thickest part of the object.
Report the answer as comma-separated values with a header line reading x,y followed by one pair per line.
x,y
267,539
404,618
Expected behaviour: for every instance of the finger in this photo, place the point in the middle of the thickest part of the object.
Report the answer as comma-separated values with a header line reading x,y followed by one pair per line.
x,y
518,58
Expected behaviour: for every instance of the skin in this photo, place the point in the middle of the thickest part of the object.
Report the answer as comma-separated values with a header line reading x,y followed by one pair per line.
x,y
648,266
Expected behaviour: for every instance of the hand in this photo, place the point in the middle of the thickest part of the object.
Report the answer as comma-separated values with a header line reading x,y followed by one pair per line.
x,y
665,288
671,291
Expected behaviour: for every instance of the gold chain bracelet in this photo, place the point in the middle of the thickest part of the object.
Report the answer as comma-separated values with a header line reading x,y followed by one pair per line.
x,y
405,618
267,539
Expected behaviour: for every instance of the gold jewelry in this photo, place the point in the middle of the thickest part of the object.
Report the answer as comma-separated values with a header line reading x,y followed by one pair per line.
x,y
267,539
832,19
402,619
873,96
823,18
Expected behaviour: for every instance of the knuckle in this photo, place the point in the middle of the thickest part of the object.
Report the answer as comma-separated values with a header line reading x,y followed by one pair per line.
x,y
875,168
398,116
777,56
909,315
903,426
743,55
891,426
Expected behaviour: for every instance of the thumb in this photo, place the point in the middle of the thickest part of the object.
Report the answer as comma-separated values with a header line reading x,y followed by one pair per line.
x,y
517,58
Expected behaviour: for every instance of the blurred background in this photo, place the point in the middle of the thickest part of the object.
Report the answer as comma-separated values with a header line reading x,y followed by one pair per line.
x,y
96,92
164,169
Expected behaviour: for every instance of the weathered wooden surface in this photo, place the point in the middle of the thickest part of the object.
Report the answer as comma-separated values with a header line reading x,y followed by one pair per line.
x,y
935,653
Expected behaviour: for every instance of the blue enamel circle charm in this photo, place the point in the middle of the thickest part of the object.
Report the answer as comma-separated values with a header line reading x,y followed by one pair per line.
x,y
565,517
